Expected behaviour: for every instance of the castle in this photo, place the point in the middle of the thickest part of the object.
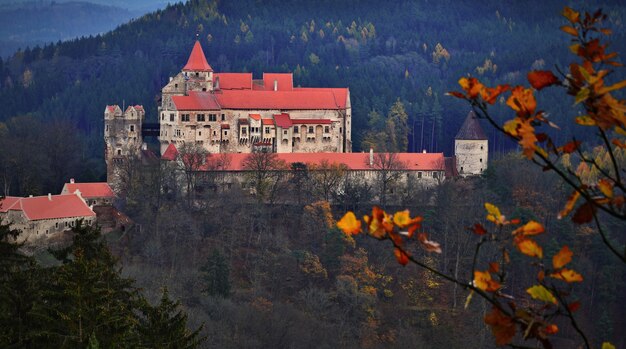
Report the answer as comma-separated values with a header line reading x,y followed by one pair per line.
x,y
236,114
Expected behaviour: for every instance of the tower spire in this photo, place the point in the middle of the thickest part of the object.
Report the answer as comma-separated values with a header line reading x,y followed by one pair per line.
x,y
197,61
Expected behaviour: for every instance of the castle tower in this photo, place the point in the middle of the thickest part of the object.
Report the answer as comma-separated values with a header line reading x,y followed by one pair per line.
x,y
198,73
471,147
122,136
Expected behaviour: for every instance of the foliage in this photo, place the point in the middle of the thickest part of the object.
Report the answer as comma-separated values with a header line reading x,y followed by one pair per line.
x,y
216,275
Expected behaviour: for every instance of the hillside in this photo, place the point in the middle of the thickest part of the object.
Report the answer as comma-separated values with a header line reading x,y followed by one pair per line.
x,y
30,23
414,51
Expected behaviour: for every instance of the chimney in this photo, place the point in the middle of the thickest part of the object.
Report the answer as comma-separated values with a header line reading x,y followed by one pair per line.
x,y
371,157
171,78
275,85
49,196
72,180
217,82
424,151
30,196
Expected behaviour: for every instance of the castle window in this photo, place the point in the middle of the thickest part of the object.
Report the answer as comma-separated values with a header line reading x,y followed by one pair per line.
x,y
204,89
162,116
435,175
200,117
199,133
197,74
107,128
132,128
419,174
481,160
172,117
461,169
215,133
177,133
481,147
267,130
285,132
326,129
185,117
119,152
244,130
296,129
225,133
212,117
175,85
340,130
223,117
310,129
56,225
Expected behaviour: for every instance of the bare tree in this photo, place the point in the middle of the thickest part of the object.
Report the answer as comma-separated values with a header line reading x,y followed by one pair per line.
x,y
388,171
266,171
327,177
191,159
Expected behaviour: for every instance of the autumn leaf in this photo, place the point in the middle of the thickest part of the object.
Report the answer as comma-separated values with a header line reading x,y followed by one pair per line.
x,y
471,86
494,214
530,248
563,257
570,147
607,345
530,228
571,15
542,78
573,306
481,279
567,275
606,187
494,267
585,120
528,138
571,202
569,30
428,245
584,214
552,329
511,126
349,224
401,256
478,229
522,101
490,95
541,293
402,219
502,327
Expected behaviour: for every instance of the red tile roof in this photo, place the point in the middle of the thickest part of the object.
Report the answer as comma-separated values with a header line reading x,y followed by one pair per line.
x,y
267,121
311,121
55,206
234,81
197,60
196,101
256,117
89,190
287,100
225,126
284,81
354,161
171,153
283,120
7,202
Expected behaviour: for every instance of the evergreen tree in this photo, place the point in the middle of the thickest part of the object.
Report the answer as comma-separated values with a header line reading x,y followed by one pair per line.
x,y
216,275
165,327
397,128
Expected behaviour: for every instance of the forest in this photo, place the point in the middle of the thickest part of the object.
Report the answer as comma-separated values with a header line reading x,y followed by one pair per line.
x,y
217,268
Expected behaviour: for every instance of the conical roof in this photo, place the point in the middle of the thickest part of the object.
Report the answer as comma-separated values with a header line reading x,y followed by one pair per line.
x,y
471,129
197,60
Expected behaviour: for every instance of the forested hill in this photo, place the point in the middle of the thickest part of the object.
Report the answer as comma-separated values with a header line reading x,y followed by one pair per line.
x,y
30,23
413,51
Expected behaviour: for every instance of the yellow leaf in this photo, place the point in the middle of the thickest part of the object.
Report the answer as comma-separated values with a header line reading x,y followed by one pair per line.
x,y
574,48
349,224
582,95
606,187
560,259
607,345
481,279
617,86
567,275
530,248
569,206
510,126
569,30
585,120
541,293
530,228
494,213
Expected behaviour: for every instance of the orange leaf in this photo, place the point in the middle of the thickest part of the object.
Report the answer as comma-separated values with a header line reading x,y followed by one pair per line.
x,y
528,138
552,329
563,257
490,95
502,326
606,187
542,78
571,15
530,228
567,275
456,94
349,224
569,30
571,202
541,275
494,267
472,86
481,279
478,229
522,101
428,245
584,214
530,248
401,256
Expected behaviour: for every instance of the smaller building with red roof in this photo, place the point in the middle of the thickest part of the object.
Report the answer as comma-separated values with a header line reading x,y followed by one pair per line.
x,y
95,194
37,217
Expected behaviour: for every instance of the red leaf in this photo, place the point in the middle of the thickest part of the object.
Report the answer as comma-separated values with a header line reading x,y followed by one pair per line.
x,y
571,147
478,229
401,256
542,78
584,214
573,306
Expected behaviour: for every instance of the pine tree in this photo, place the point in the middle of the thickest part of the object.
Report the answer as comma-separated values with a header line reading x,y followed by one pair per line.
x,y
397,127
165,327
216,275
